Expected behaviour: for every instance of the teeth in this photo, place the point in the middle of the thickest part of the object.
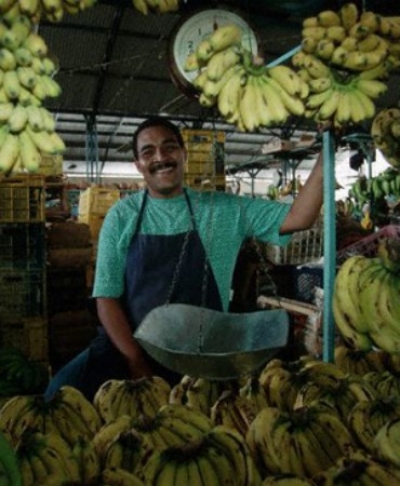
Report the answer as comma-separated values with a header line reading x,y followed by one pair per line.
x,y
163,167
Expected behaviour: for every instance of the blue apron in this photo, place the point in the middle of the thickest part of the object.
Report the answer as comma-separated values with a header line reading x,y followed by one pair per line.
x,y
159,269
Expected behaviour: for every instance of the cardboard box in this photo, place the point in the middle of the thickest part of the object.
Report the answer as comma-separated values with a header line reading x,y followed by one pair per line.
x,y
277,145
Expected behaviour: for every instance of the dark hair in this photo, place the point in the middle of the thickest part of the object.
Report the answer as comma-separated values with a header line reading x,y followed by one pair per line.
x,y
156,121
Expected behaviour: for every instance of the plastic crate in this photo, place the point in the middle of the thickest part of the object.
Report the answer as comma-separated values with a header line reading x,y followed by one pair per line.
x,y
30,335
305,246
306,279
368,246
22,246
97,200
22,199
22,294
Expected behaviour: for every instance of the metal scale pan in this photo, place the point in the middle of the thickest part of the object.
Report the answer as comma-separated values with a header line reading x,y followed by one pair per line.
x,y
211,344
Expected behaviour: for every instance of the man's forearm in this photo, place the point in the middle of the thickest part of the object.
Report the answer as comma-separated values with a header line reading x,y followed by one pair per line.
x,y
116,325
307,204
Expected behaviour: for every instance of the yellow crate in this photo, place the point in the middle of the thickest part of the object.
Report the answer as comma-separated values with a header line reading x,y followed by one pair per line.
x,y
22,199
51,165
29,334
196,167
202,136
97,200
95,222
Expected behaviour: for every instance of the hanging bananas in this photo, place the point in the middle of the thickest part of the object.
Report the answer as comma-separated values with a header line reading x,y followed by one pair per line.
x,y
51,10
346,57
385,132
156,6
27,72
246,93
365,300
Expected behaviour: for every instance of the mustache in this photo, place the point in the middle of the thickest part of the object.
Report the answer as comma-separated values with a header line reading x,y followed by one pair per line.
x,y
156,166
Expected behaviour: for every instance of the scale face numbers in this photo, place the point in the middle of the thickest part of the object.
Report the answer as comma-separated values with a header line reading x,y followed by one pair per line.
x,y
192,31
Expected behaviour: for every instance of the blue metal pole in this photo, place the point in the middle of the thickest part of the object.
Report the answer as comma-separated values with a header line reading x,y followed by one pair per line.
x,y
329,244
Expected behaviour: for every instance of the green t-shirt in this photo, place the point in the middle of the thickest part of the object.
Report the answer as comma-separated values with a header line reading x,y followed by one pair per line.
x,y
224,221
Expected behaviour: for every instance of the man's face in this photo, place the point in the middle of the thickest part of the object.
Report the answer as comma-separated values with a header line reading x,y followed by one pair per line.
x,y
160,160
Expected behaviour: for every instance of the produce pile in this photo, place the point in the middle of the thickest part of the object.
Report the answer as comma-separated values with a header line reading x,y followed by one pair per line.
x,y
366,299
300,422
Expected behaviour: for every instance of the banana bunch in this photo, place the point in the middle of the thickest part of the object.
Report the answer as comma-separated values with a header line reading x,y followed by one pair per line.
x,y
51,10
44,458
233,411
387,183
286,480
119,477
221,457
9,469
362,468
386,443
283,380
245,92
156,6
68,414
128,451
358,362
89,466
27,129
126,442
367,417
335,95
342,396
198,393
346,56
131,397
303,442
365,301
73,415
385,132
19,375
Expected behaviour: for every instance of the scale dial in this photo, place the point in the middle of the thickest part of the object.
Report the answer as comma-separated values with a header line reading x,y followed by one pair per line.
x,y
188,35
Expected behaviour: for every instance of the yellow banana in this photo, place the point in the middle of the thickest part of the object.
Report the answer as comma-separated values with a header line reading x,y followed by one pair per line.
x,y
248,106
6,110
287,78
220,62
349,15
230,94
328,18
7,60
337,34
213,88
141,6
328,108
373,88
9,152
225,36
36,45
18,119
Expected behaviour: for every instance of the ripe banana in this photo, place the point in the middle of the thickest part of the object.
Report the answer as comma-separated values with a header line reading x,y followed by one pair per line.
x,y
220,62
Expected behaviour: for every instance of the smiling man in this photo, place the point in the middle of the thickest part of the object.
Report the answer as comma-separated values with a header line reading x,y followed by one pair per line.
x,y
170,243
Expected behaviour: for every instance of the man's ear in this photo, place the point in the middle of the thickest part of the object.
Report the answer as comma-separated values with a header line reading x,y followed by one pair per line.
x,y
138,168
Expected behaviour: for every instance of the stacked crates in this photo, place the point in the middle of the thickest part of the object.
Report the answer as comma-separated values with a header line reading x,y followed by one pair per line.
x,y
94,203
205,167
23,321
